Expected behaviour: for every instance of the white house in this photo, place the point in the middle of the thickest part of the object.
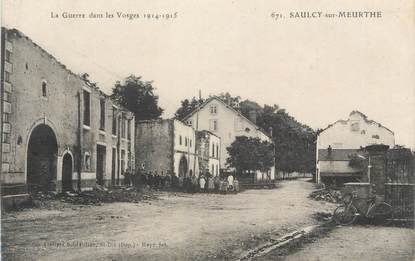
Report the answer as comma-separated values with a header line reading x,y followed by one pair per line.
x,y
340,140
227,123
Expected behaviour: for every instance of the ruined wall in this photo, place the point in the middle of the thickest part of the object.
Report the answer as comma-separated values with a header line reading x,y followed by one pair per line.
x,y
154,146
94,136
41,91
26,107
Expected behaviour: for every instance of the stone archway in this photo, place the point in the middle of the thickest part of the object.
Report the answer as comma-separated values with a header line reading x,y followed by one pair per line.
x,y
41,159
67,170
183,167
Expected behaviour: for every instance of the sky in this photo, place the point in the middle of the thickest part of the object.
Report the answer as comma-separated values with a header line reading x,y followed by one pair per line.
x,y
319,70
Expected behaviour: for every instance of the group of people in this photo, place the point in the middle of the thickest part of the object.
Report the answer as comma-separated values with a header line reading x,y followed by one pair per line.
x,y
190,184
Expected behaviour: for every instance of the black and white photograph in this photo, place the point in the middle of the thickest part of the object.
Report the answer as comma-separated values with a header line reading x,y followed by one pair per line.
x,y
207,130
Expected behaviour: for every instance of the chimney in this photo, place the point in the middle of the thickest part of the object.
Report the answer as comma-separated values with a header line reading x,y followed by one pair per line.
x,y
252,116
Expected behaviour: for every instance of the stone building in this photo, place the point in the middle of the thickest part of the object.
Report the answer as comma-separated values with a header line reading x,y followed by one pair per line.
x,y
227,123
166,147
337,144
208,149
59,131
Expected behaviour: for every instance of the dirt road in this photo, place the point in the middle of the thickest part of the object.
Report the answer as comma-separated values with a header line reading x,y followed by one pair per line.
x,y
176,227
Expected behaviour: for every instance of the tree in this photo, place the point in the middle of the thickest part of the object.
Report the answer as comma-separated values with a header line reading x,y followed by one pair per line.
x,y
137,96
247,154
232,101
187,107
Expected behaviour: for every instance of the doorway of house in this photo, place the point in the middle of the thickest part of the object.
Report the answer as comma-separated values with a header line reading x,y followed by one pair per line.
x,y
67,173
41,159
100,164
183,167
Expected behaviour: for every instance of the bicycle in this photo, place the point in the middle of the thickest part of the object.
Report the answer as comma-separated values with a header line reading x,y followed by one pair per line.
x,y
347,213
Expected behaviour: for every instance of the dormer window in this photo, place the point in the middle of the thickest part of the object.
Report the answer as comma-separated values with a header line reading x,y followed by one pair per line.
x,y
44,89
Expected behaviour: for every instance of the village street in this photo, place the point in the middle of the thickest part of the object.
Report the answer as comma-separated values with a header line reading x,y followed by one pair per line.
x,y
187,227
175,227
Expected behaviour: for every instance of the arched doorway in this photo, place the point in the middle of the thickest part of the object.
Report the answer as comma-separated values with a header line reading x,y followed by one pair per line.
x,y
183,167
41,159
67,173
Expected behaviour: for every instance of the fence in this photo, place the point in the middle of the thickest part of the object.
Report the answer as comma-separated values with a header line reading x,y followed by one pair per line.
x,y
399,186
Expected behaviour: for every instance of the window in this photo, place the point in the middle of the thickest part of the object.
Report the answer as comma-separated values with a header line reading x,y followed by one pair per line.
x,y
190,143
123,127
190,123
375,136
102,118
114,121
7,96
6,138
217,151
44,89
7,76
87,112
213,150
185,141
213,170
213,125
8,55
217,170
6,117
129,130
180,140
122,162
213,109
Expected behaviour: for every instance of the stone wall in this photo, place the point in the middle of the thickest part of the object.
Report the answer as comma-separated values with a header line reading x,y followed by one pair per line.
x,y
154,146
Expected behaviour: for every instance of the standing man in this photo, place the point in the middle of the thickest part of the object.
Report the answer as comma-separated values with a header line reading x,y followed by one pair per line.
x,y
202,183
230,183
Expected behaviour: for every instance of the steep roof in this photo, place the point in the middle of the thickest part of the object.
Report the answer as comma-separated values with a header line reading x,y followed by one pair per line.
x,y
365,118
227,106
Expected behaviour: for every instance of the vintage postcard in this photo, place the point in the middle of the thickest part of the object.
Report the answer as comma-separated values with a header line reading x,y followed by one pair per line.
x,y
207,130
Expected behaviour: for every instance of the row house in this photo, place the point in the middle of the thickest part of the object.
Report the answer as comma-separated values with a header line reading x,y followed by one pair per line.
x,y
59,131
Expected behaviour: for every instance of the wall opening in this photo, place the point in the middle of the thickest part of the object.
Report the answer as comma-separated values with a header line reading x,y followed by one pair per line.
x,y
101,151
67,173
41,159
183,167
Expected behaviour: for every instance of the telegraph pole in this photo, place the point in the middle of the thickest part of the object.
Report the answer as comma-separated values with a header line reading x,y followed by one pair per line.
x,y
197,128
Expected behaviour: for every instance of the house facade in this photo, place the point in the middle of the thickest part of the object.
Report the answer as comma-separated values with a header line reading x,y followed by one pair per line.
x,y
225,122
59,131
208,150
337,143
166,147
